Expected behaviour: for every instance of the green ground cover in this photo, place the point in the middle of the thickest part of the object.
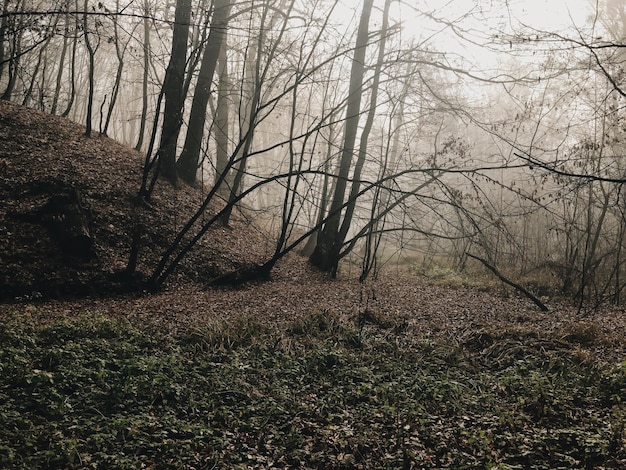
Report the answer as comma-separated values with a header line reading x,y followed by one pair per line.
x,y
325,392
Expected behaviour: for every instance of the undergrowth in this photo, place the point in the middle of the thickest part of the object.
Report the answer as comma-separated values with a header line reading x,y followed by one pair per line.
x,y
328,392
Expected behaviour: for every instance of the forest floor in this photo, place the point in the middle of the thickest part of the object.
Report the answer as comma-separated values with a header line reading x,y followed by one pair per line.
x,y
301,371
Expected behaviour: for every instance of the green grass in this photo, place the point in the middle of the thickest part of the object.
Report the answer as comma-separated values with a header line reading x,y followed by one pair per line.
x,y
327,392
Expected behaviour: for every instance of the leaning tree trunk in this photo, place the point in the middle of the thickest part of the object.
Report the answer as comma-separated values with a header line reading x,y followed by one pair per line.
x,y
173,90
60,70
367,128
327,250
35,75
119,51
187,165
250,98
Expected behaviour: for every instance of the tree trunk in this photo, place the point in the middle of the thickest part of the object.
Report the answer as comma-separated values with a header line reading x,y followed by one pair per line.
x,y
144,84
41,60
119,52
367,128
325,191
92,54
222,117
173,90
16,54
250,97
382,196
187,165
326,253
256,78
72,92
33,79
3,30
59,77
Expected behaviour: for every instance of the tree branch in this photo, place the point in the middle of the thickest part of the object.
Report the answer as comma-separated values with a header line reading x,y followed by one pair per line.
x,y
500,276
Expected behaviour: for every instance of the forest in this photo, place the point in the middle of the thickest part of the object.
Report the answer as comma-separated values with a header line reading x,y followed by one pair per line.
x,y
312,234
377,135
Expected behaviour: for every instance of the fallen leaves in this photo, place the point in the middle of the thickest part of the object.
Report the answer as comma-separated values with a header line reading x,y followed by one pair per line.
x,y
45,154
301,371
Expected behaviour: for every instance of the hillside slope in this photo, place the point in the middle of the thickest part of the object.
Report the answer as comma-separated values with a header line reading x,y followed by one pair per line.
x,y
44,159
42,156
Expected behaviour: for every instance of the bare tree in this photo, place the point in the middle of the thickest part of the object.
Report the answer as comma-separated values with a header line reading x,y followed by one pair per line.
x,y
364,138
145,75
187,165
120,50
326,253
222,115
61,65
174,93
91,48
12,27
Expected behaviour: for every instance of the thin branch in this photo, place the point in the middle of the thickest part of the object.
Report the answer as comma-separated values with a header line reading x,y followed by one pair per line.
x,y
500,276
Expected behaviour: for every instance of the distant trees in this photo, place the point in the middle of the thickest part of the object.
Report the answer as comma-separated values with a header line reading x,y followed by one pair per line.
x,y
555,223
10,48
145,75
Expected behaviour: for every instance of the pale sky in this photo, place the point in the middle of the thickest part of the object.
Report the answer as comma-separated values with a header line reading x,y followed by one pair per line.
x,y
548,14
480,20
